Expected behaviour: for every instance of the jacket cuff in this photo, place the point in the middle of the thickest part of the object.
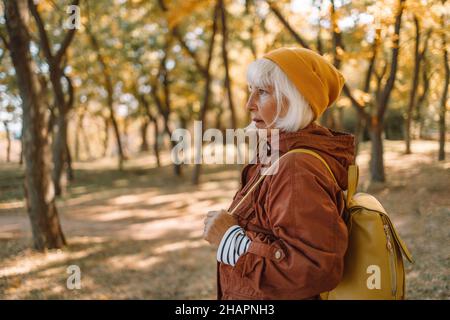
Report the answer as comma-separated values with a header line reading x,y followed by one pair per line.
x,y
234,243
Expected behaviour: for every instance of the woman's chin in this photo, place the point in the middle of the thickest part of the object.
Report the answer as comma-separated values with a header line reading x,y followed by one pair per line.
x,y
255,125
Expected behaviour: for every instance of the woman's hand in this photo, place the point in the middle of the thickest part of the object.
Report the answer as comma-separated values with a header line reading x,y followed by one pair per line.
x,y
216,224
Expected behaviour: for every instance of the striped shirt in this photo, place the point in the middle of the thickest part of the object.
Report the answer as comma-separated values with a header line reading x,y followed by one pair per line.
x,y
234,243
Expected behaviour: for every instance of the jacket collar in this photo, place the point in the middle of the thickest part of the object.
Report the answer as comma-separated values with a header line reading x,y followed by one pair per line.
x,y
337,148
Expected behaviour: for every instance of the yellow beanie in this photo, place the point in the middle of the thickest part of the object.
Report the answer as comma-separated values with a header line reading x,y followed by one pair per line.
x,y
315,78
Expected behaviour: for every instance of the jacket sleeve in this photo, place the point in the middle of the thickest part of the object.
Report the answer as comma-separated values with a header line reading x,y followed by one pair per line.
x,y
310,238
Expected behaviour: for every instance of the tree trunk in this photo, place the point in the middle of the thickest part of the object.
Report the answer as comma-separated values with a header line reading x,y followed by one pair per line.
x,y
441,155
412,92
376,152
39,194
167,101
144,143
319,47
59,154
359,131
155,142
422,99
69,169
87,148
115,125
376,129
418,57
21,147
154,120
177,166
340,117
77,137
62,107
206,94
80,134
110,99
8,141
106,138
223,15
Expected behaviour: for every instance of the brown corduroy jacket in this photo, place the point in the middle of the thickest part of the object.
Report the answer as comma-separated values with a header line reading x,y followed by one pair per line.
x,y
294,219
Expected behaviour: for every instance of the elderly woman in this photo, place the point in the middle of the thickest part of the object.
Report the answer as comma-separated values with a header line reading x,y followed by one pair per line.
x,y
288,239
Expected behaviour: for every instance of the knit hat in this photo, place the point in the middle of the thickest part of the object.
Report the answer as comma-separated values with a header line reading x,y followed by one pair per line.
x,y
313,76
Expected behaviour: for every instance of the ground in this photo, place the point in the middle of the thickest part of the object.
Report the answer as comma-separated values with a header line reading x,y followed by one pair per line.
x,y
136,234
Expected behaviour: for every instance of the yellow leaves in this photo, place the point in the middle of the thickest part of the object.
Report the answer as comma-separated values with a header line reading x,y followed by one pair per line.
x,y
177,13
339,51
196,106
361,96
43,5
344,102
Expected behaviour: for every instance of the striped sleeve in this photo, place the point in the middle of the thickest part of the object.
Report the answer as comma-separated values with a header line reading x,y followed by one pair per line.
x,y
234,243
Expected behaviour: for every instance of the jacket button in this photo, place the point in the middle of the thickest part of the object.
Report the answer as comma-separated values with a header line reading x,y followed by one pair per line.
x,y
278,254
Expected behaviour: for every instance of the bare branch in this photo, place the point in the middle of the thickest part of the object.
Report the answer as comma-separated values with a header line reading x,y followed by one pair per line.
x,y
45,44
67,39
291,30
394,62
4,39
176,33
337,43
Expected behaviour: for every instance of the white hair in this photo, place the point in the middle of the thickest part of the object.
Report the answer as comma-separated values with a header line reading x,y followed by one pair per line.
x,y
264,73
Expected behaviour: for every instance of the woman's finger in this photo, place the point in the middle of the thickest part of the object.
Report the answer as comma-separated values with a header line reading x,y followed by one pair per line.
x,y
211,213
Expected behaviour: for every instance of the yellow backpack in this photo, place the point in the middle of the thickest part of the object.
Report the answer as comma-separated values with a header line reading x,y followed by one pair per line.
x,y
373,265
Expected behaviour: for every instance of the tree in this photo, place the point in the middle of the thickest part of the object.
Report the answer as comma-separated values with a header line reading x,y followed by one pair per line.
x,y
419,55
203,69
223,19
8,140
108,83
39,190
376,122
375,119
206,94
54,61
443,106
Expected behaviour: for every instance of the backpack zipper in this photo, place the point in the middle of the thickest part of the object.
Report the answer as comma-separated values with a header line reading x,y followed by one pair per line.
x,y
393,270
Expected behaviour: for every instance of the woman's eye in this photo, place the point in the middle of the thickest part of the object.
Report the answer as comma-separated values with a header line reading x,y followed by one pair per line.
x,y
261,91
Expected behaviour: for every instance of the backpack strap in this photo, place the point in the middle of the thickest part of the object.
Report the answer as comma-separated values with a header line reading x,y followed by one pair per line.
x,y
317,156
353,174
301,150
353,177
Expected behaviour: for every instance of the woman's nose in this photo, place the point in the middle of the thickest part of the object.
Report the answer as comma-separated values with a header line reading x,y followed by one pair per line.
x,y
251,106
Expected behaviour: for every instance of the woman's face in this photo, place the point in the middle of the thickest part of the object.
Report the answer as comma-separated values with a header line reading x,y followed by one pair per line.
x,y
263,107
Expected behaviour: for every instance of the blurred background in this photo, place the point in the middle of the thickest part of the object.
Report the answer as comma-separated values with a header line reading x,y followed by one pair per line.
x,y
91,91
